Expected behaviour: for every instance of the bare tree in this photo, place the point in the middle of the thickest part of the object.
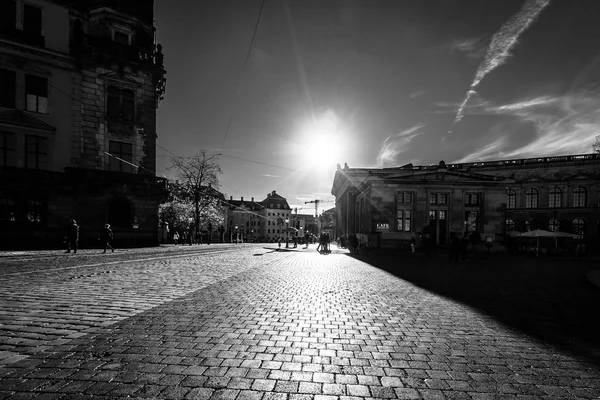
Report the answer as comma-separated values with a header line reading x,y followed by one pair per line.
x,y
198,183
596,145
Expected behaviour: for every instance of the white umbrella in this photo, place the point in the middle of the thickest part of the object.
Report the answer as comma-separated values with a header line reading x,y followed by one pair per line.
x,y
538,233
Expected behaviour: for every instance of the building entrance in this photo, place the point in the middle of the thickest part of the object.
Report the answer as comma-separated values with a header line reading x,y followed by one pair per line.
x,y
437,223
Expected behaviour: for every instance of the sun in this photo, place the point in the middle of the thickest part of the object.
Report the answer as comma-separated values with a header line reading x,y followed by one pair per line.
x,y
323,141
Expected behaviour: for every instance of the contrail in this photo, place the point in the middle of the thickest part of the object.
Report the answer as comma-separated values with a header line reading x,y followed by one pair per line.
x,y
502,43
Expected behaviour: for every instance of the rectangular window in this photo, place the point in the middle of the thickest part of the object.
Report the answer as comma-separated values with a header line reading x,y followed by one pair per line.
x,y
36,151
33,26
36,92
403,220
34,211
8,81
8,15
8,149
32,20
443,198
404,197
122,38
433,198
472,199
7,209
121,157
120,104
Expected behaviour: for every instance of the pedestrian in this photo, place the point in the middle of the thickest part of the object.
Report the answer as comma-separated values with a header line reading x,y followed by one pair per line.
x,y
279,241
295,240
176,238
413,245
455,247
306,238
465,246
72,236
107,237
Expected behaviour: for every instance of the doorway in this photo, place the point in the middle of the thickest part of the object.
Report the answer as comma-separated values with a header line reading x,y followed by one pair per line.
x,y
437,222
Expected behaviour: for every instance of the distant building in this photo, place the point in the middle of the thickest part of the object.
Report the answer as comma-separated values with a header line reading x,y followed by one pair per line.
x,y
266,220
492,198
80,82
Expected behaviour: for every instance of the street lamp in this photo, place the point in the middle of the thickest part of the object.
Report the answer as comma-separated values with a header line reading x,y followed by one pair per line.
x,y
287,232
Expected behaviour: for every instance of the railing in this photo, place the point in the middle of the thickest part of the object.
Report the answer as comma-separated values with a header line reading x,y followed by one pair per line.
x,y
522,161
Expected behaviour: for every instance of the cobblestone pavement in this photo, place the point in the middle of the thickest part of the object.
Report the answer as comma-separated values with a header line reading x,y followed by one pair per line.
x,y
282,325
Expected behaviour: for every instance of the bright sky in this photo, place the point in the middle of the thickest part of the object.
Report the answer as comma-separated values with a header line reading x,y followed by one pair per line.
x,y
373,84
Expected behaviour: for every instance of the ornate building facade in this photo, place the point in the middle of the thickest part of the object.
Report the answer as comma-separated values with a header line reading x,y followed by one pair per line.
x,y
493,198
265,220
80,82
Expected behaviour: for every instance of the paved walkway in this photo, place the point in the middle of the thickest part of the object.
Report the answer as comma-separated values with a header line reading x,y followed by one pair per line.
x,y
258,324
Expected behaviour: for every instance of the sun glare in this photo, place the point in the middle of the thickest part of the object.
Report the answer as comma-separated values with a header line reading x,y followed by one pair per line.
x,y
323,141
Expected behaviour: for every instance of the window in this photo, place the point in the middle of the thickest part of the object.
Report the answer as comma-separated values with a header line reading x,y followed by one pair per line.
x,y
278,206
510,225
438,198
122,38
32,20
8,149
578,226
554,225
36,93
511,199
555,198
124,152
8,15
472,199
7,209
119,213
532,198
404,197
404,220
120,104
579,197
36,151
8,81
34,211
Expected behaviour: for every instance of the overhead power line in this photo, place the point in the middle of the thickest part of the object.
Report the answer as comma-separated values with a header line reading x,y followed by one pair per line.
x,y
262,4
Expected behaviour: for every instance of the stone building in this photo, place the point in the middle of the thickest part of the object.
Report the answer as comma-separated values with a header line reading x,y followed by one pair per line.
x,y
80,82
262,221
490,198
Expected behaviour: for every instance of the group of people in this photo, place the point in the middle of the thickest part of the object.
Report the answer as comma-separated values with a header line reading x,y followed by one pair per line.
x,y
72,237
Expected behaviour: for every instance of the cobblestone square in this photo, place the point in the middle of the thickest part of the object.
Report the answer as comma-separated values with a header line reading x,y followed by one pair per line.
x,y
247,322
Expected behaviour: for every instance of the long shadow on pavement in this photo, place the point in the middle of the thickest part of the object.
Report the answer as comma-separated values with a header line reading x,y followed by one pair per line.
x,y
549,299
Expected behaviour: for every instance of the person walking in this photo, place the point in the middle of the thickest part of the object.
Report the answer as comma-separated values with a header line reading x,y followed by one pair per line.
x,y
455,246
465,246
107,237
72,236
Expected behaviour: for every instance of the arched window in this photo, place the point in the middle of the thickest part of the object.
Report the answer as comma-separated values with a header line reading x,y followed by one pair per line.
x,y
511,199
119,213
578,226
555,198
554,225
579,197
510,225
532,197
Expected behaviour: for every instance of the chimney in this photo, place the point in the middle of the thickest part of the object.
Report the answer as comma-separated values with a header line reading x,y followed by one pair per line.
x,y
274,193
252,199
230,197
242,198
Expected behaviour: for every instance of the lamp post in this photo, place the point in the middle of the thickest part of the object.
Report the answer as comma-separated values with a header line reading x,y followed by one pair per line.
x,y
287,232
236,234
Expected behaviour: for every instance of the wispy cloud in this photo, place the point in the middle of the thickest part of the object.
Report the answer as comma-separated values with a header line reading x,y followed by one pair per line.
x,y
502,43
270,176
564,124
471,47
397,144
